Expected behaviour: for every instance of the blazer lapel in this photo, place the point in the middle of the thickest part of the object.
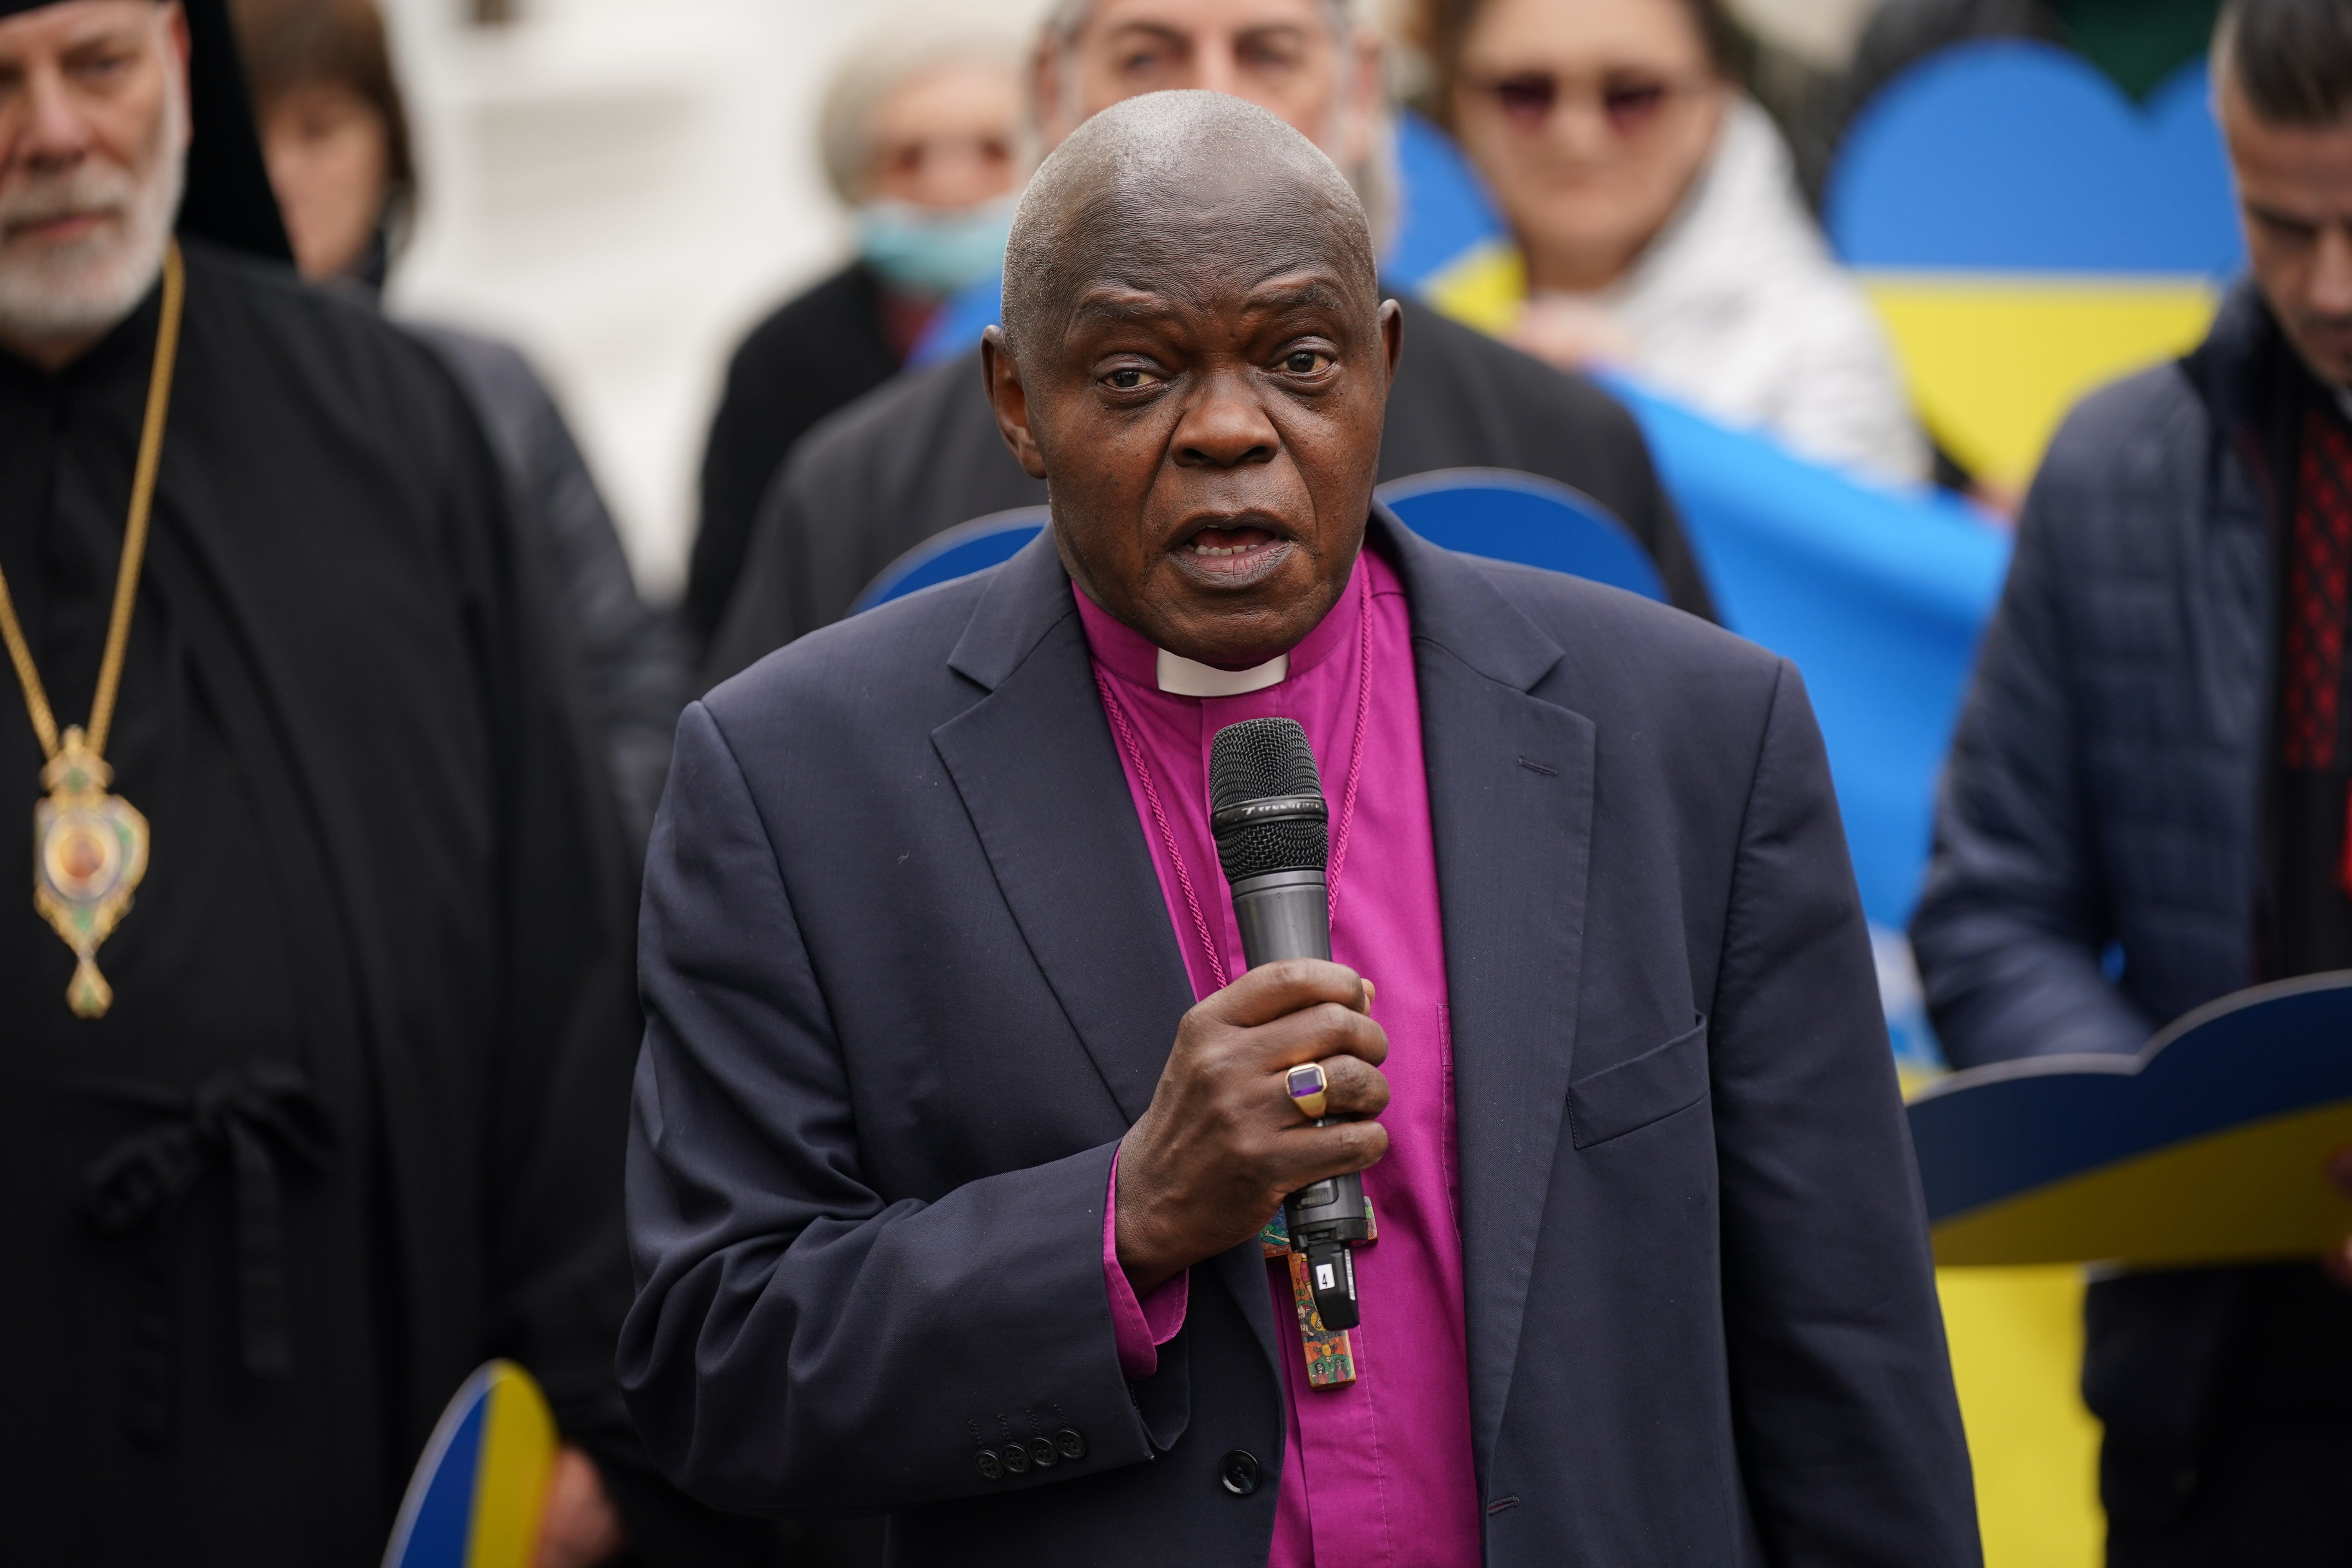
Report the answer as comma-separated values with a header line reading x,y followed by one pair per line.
x,y
1035,764
1510,801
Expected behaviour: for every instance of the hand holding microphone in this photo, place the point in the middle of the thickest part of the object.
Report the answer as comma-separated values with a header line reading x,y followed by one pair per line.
x,y
1225,1141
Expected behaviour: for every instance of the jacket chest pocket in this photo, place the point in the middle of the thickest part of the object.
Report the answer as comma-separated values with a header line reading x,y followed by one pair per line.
x,y
1632,1094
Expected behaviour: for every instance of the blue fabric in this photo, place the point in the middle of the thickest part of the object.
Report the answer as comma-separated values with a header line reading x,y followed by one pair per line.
x,y
956,329
1878,598
1507,515
2106,781
1493,513
1443,209
966,548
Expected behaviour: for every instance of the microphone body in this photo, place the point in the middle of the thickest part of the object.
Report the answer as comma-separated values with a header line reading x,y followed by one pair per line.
x,y
1268,819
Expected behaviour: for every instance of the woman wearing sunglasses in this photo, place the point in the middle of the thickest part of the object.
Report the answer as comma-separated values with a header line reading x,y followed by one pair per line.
x,y
1658,219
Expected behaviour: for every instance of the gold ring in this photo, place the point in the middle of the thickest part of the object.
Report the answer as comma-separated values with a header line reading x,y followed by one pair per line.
x,y
1307,1085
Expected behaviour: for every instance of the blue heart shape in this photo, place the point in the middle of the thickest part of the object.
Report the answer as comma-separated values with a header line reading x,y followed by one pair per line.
x,y
2006,155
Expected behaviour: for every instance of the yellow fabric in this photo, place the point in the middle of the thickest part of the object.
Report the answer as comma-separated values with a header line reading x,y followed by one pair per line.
x,y
1484,288
518,1457
2017,1356
1995,362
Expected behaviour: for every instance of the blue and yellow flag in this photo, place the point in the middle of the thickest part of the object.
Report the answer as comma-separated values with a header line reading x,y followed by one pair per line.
x,y
475,1499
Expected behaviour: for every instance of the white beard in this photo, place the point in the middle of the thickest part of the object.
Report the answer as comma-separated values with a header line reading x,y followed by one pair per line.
x,y
85,286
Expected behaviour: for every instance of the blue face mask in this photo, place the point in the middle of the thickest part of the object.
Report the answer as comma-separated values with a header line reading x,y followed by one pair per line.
x,y
929,251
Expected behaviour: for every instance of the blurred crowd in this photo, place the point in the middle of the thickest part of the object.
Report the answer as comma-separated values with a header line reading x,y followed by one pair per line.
x,y
1658,166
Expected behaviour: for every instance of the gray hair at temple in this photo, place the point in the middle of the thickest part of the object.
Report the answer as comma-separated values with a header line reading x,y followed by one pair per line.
x,y
905,44
2291,59
1157,139
1068,18
1375,180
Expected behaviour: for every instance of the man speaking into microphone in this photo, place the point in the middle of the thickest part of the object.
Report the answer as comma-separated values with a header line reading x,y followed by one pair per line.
x,y
964,1127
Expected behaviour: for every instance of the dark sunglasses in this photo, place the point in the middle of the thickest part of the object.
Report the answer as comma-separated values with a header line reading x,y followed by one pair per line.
x,y
1627,100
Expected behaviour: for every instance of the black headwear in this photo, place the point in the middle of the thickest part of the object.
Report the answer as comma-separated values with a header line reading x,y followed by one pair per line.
x,y
229,200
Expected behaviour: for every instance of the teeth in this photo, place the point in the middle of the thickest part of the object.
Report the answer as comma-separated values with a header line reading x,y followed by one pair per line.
x,y
1213,550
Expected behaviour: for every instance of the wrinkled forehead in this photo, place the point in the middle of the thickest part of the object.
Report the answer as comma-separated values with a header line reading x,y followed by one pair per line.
x,y
1214,240
1198,241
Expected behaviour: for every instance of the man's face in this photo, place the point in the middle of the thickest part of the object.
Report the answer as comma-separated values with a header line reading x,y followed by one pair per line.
x,y
1210,417
93,128
2294,195
1280,55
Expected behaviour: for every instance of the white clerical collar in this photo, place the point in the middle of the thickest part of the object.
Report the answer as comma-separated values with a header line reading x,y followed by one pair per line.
x,y
1188,677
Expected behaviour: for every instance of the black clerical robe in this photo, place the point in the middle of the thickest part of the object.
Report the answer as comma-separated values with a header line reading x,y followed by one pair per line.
x,y
922,454
353,1123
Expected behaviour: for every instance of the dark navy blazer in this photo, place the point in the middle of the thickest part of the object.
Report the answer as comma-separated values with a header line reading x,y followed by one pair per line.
x,y
908,977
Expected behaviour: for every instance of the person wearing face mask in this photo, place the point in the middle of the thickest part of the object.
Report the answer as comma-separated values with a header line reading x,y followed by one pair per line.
x,y
922,140
334,132
1659,221
921,455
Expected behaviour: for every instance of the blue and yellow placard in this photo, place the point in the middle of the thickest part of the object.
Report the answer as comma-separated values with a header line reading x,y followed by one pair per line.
x,y
2027,233
475,1499
2212,1146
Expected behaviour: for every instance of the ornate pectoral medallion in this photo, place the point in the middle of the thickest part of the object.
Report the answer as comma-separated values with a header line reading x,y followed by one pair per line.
x,y
90,850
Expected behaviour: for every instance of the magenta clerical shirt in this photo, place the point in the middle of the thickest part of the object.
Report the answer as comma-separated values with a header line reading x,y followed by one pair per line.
x,y
1378,1473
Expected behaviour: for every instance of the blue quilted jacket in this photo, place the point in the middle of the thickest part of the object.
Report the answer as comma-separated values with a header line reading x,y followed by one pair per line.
x,y
2097,835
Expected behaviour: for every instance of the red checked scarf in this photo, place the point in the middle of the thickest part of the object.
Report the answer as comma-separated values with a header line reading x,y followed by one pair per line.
x,y
2317,581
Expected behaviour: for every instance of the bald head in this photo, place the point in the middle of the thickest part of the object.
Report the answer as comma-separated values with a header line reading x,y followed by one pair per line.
x,y
1175,181
1196,359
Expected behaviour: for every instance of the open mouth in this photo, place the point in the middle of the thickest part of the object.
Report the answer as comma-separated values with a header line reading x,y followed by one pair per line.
x,y
1230,551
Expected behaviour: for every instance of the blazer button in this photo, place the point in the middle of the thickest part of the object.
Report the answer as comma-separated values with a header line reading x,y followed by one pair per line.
x,y
1043,1454
1238,1472
1016,1459
1071,1442
990,1468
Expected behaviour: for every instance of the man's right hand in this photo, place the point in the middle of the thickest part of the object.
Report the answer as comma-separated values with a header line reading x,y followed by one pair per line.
x,y
1222,1144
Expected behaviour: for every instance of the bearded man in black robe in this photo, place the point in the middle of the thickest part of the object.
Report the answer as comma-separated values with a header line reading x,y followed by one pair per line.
x,y
317,1017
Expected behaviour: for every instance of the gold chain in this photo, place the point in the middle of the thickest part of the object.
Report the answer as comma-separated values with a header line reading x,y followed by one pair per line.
x,y
134,545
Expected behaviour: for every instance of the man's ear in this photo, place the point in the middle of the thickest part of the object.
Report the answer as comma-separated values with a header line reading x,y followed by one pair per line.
x,y
1010,399
1392,334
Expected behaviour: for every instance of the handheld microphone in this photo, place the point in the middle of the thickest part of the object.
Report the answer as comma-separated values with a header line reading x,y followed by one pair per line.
x,y
1266,812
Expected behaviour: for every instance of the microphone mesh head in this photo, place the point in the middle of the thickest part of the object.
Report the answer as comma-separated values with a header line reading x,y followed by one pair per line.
x,y
1266,759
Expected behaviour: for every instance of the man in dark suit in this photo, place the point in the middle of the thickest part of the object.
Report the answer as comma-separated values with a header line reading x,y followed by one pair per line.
x,y
921,455
930,1217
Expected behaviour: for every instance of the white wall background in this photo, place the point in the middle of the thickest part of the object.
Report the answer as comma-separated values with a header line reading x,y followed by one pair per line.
x,y
620,187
